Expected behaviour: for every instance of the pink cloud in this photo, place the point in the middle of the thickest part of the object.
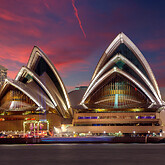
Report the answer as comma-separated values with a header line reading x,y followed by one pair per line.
x,y
161,81
153,45
71,65
11,16
12,74
19,53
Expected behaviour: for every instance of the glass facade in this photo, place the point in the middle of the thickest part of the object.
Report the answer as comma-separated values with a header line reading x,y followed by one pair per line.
x,y
16,100
126,52
117,92
118,117
124,67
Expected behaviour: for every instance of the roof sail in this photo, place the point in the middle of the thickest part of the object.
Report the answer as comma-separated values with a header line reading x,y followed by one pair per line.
x,y
123,45
40,64
124,57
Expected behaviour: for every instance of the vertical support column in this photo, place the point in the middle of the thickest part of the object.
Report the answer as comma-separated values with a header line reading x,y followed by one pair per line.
x,y
38,126
47,126
24,129
34,130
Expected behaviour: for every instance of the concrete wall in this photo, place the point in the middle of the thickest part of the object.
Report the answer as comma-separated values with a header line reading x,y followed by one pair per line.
x,y
112,118
114,129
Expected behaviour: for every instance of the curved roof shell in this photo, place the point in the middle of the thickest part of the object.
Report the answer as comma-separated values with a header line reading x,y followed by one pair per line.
x,y
34,93
46,75
121,52
41,82
143,64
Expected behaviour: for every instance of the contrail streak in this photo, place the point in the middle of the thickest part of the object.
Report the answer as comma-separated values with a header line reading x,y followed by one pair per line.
x,y
46,4
76,14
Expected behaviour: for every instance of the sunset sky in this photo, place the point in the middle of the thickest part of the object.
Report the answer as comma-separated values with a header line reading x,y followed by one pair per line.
x,y
74,34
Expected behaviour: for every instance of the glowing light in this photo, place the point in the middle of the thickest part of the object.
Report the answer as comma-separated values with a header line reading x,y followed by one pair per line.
x,y
12,105
99,110
56,130
116,101
2,119
76,14
63,128
137,110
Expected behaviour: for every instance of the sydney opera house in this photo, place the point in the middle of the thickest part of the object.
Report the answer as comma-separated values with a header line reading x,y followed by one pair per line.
x,y
123,96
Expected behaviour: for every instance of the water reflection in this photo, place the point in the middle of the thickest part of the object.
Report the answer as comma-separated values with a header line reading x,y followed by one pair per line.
x,y
71,154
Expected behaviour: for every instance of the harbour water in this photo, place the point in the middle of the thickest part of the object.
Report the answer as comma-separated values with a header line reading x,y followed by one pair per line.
x,y
79,154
